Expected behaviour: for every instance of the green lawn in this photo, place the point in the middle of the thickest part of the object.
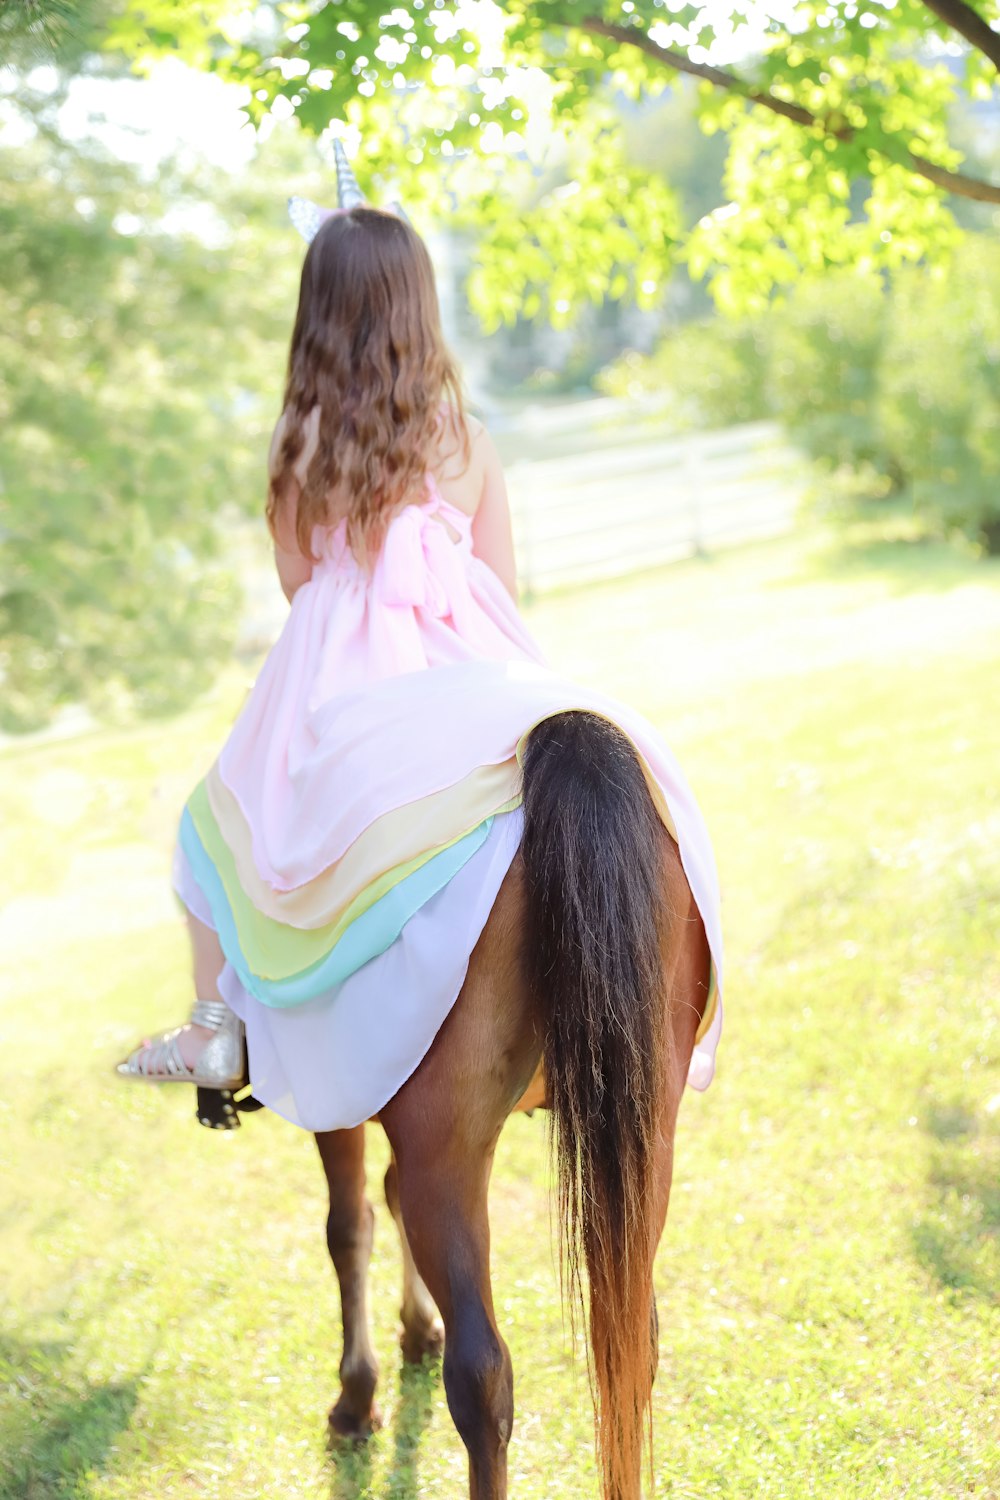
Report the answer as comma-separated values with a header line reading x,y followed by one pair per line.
x,y
830,1277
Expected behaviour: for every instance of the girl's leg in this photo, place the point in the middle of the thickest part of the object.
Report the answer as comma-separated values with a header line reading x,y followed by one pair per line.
x,y
207,960
176,1052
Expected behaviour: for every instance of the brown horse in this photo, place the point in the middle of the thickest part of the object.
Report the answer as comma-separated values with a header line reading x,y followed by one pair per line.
x,y
586,986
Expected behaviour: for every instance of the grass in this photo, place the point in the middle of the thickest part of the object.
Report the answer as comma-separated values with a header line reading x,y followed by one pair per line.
x,y
829,1282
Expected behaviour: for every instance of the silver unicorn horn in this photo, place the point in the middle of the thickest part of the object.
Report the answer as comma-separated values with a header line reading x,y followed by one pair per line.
x,y
309,217
349,195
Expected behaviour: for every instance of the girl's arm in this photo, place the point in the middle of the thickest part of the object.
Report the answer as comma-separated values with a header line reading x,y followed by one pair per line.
x,y
293,569
492,537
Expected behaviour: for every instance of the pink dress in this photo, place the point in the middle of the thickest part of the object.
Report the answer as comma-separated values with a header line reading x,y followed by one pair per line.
x,y
350,840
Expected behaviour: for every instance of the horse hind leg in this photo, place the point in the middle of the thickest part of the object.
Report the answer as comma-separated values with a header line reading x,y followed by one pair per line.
x,y
443,1200
349,1234
423,1331
443,1126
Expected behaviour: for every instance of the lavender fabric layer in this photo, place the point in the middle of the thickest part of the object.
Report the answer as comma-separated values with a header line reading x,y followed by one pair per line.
x,y
333,1063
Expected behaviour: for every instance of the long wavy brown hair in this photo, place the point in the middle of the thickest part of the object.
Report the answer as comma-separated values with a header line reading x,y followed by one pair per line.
x,y
368,352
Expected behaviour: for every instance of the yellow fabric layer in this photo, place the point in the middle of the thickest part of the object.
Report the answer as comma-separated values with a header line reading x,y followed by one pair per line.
x,y
432,822
710,1008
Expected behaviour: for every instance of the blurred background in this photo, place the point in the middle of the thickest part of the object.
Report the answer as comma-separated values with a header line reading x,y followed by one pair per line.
x,y
150,276
744,370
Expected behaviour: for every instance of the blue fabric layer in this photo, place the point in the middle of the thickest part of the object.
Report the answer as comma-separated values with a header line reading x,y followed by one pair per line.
x,y
368,935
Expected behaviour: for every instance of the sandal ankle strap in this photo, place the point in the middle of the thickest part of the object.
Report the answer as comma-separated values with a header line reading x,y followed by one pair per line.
x,y
210,1013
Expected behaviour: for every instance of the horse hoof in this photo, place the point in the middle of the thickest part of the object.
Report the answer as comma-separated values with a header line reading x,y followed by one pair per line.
x,y
427,1343
345,1426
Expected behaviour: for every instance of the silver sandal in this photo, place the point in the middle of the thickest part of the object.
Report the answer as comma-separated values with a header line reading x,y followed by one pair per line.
x,y
220,1062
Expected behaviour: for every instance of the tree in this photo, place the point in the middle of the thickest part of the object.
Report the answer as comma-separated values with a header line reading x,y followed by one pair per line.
x,y
142,366
893,392
837,117
32,30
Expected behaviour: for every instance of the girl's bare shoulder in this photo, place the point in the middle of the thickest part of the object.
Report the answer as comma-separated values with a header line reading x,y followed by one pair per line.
x,y
460,464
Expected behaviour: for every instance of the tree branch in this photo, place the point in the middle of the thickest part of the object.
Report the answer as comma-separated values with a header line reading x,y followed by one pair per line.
x,y
970,24
631,36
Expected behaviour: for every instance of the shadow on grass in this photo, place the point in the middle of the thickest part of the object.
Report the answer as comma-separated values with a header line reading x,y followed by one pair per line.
x,y
352,1465
352,1470
417,1384
958,1239
51,1440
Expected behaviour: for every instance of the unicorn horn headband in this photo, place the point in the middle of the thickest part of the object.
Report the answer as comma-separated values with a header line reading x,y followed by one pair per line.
x,y
309,218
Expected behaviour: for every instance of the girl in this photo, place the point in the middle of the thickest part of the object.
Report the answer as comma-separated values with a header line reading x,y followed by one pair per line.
x,y
340,859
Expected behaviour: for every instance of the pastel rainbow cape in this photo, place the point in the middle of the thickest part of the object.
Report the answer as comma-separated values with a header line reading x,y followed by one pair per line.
x,y
350,840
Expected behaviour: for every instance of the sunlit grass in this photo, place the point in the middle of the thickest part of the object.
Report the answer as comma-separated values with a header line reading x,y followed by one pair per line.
x,y
830,1277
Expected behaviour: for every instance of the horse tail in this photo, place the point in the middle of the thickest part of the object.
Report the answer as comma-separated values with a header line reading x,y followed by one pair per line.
x,y
593,856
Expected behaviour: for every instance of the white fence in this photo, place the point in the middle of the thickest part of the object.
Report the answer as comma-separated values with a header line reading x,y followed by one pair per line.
x,y
637,501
